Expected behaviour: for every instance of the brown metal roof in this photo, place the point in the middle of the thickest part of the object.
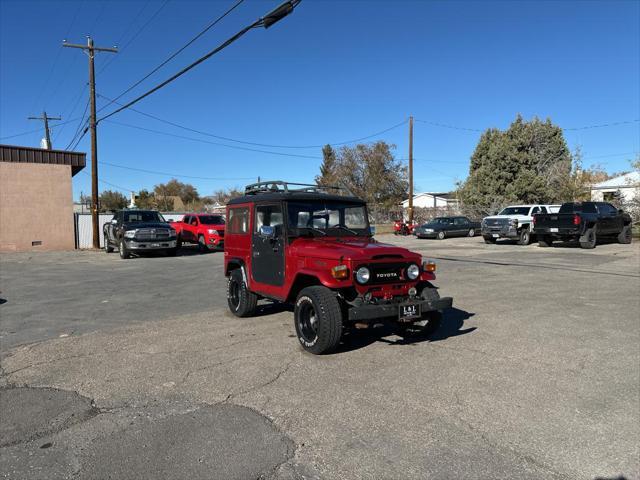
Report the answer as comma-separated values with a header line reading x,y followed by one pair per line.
x,y
76,160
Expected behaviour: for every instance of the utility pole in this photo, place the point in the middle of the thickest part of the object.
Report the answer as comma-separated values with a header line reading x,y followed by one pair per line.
x,y
90,50
47,133
411,169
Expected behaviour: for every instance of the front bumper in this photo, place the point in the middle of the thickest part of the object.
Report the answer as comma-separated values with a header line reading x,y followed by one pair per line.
x,y
150,244
421,234
503,231
366,313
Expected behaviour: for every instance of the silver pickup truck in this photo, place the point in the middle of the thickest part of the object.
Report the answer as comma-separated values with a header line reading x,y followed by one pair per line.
x,y
514,222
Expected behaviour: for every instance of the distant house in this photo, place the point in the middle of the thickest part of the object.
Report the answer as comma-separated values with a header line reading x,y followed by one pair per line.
x,y
433,200
624,189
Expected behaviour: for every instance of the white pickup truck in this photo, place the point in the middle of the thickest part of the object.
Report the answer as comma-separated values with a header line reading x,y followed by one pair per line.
x,y
515,222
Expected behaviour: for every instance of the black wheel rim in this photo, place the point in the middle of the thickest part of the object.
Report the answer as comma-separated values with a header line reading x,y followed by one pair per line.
x,y
307,322
234,294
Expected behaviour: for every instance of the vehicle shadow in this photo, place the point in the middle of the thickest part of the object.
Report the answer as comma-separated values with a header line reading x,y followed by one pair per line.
x,y
451,326
576,244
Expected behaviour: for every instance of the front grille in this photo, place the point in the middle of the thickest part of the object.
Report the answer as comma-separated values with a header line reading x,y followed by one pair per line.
x,y
152,234
496,222
386,272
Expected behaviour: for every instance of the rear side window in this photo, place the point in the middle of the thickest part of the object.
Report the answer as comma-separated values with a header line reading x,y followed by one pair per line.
x,y
587,207
238,220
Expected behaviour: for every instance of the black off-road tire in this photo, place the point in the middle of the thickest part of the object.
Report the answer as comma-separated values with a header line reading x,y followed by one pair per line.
x,y
107,246
123,251
178,242
441,235
489,240
242,302
545,241
323,334
625,235
525,236
589,239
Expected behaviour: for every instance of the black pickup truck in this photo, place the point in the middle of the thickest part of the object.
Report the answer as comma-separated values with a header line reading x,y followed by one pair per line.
x,y
582,221
136,231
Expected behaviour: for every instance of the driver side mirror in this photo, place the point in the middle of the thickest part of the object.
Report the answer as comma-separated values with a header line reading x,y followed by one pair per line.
x,y
267,232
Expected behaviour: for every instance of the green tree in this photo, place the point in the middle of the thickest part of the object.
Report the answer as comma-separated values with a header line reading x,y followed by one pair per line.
x,y
110,201
328,174
145,199
223,196
368,171
528,163
187,192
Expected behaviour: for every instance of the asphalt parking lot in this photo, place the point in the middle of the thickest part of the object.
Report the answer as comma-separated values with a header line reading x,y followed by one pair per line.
x,y
135,369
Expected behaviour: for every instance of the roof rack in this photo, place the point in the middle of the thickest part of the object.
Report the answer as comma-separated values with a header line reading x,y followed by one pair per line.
x,y
278,186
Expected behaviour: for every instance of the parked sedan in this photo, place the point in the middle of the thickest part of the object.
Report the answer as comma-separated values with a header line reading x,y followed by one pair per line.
x,y
442,227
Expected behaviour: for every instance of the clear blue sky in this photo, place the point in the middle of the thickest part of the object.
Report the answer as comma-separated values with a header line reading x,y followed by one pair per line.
x,y
332,71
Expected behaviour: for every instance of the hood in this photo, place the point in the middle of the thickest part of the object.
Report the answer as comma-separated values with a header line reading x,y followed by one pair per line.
x,y
134,225
506,217
350,248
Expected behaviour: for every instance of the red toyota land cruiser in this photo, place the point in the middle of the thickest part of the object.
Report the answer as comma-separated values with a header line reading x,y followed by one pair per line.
x,y
298,244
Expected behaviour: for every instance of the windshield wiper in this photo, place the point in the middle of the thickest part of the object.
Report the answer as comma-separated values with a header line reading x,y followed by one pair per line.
x,y
347,229
316,230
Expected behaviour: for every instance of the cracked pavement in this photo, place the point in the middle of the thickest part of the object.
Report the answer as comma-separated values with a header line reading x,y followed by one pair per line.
x,y
534,374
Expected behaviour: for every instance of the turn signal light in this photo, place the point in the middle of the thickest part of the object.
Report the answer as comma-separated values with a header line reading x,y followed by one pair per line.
x,y
429,266
340,272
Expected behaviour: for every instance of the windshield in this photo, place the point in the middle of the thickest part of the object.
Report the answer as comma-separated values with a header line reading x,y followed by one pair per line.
x,y
211,219
348,218
515,211
137,216
578,207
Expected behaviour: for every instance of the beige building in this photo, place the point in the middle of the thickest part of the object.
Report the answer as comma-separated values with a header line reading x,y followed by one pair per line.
x,y
36,203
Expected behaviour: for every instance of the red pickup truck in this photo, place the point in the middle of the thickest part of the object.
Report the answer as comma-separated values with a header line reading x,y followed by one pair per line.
x,y
205,229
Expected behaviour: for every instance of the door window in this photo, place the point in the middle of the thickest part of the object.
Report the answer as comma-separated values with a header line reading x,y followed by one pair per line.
x,y
238,220
186,219
460,221
194,221
269,215
535,210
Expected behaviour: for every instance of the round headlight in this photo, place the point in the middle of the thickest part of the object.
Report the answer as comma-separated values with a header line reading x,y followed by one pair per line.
x,y
363,275
413,271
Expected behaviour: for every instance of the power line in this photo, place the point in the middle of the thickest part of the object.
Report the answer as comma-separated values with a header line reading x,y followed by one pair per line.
x,y
244,142
174,174
119,187
612,124
137,34
453,127
266,21
601,125
57,57
201,140
176,53
38,130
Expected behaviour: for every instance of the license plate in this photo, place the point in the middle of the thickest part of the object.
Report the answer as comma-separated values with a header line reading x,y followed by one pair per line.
x,y
409,311
155,244
495,235
553,230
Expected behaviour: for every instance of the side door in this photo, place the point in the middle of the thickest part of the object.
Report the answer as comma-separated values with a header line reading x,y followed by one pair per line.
x,y
267,245
193,228
461,226
609,219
